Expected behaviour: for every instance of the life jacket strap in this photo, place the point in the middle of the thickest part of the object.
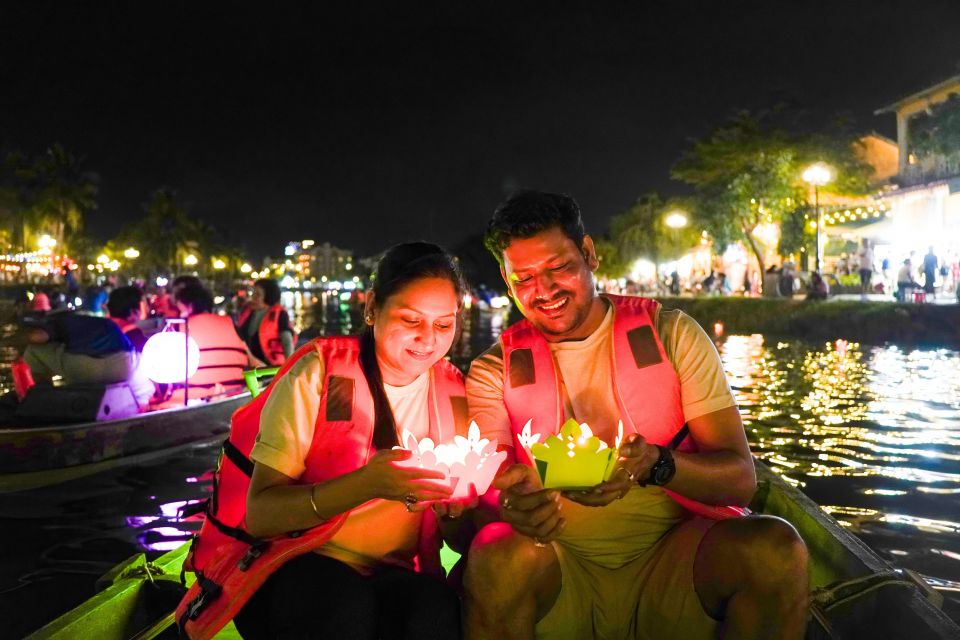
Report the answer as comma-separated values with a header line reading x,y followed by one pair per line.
x,y
234,532
239,460
209,591
680,437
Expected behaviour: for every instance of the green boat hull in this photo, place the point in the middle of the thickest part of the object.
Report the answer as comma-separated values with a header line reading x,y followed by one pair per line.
x,y
857,593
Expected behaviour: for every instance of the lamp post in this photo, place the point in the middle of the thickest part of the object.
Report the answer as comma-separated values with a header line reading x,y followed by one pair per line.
x,y
817,174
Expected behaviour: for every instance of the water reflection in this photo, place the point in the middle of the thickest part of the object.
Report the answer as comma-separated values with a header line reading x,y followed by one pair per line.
x,y
870,433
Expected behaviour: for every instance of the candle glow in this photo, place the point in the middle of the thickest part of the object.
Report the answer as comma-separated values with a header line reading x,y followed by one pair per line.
x,y
469,463
574,458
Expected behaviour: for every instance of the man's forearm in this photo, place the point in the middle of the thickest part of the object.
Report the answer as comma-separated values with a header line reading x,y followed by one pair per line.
x,y
715,477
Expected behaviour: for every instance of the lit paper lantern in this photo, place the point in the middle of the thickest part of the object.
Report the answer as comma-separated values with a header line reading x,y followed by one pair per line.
x,y
163,357
466,461
574,458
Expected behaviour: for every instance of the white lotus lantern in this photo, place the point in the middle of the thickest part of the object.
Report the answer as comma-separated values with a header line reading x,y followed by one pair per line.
x,y
471,461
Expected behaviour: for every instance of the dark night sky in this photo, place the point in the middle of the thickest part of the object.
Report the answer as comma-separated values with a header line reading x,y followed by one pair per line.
x,y
390,122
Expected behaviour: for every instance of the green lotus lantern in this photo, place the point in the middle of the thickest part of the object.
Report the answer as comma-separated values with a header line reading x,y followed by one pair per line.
x,y
574,458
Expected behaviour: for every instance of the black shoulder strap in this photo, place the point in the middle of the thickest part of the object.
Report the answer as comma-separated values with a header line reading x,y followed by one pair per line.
x,y
235,456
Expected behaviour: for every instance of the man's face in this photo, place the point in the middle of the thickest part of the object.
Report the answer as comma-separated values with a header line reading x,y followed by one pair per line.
x,y
551,280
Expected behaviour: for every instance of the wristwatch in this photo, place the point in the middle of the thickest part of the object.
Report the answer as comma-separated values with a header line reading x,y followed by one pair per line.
x,y
662,470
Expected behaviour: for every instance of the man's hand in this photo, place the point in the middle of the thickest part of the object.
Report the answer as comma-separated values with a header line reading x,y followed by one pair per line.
x,y
636,459
529,508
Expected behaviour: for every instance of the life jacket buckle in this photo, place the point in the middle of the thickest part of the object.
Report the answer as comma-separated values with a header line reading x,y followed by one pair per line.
x,y
254,552
207,589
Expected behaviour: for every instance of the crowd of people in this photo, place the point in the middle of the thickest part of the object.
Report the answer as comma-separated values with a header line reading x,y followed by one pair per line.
x,y
322,531
70,347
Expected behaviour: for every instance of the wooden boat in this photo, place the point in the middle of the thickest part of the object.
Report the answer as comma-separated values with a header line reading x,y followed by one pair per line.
x,y
35,456
856,593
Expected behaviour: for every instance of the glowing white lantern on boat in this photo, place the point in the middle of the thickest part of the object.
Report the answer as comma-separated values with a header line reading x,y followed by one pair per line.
x,y
574,458
167,359
470,461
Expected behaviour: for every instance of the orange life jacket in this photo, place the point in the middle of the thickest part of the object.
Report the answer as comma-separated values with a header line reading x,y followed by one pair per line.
x,y
223,355
646,387
269,333
230,563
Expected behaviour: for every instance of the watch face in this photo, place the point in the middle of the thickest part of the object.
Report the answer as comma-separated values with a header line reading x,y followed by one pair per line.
x,y
663,475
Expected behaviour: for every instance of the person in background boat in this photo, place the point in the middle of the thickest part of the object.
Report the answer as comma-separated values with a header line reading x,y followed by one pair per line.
x,y
124,306
623,559
264,324
178,284
82,349
361,583
223,355
40,303
95,299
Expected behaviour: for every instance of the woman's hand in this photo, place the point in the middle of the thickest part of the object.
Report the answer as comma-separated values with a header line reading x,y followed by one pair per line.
x,y
453,509
414,486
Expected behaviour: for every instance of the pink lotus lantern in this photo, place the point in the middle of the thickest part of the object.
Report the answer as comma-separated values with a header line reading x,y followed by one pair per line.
x,y
471,461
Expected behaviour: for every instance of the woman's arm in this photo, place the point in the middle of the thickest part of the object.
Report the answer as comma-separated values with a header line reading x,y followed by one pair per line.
x,y
276,505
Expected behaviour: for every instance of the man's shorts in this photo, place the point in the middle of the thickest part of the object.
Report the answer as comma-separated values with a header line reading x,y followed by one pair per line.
x,y
650,597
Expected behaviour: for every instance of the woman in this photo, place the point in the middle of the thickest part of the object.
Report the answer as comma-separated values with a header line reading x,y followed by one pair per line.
x,y
324,477
223,355
265,326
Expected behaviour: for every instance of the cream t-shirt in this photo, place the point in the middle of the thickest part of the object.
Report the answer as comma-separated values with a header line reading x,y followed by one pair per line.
x,y
585,372
625,529
377,532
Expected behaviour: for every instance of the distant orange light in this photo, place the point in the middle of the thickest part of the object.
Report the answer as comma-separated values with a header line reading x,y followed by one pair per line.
x,y
718,329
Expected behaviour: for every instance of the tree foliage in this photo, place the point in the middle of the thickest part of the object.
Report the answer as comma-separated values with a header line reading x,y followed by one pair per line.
x,y
749,172
641,231
48,194
165,235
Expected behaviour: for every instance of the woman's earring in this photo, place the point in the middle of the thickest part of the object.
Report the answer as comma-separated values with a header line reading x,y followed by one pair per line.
x,y
369,318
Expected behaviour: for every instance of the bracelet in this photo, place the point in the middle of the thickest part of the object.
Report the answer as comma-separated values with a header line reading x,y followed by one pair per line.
x,y
313,504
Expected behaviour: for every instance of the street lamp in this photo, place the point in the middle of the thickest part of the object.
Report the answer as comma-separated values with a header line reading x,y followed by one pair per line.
x,y
676,220
190,260
817,174
219,264
131,253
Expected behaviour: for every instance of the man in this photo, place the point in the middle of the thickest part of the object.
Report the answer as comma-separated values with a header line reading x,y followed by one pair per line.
x,y
125,309
81,349
905,282
623,559
930,263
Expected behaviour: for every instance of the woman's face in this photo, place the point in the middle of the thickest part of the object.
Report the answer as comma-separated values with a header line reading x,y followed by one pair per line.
x,y
414,328
257,300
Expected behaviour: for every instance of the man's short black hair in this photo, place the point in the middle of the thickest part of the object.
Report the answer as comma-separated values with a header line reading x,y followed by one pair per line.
x,y
123,301
528,213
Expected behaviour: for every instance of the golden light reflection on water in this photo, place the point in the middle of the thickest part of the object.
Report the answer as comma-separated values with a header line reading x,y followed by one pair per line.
x,y
873,433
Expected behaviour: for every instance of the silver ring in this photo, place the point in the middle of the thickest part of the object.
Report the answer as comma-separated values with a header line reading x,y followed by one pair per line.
x,y
538,543
409,500
506,504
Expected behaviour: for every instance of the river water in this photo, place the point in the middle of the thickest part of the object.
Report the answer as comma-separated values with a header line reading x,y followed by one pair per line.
x,y
870,433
